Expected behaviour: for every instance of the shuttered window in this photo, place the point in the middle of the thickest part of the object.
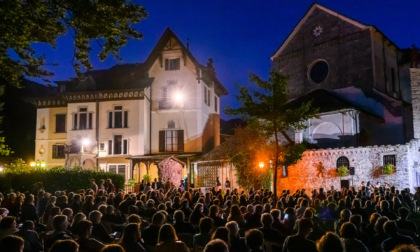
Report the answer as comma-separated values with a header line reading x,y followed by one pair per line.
x,y
171,141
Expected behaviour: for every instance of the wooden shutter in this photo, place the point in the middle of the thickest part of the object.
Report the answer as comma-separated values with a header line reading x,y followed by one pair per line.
x,y
125,119
55,151
161,141
109,147
110,120
90,121
180,140
75,122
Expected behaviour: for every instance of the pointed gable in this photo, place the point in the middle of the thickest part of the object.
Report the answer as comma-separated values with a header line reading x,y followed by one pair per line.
x,y
318,25
169,41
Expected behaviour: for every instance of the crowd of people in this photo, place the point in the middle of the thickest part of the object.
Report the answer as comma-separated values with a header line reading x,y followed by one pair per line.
x,y
164,218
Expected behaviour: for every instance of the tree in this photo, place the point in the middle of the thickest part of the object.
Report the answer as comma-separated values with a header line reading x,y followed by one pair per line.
x,y
248,150
109,23
266,104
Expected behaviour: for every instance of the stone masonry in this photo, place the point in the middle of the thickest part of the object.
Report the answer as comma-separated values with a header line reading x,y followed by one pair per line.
x,y
415,100
318,167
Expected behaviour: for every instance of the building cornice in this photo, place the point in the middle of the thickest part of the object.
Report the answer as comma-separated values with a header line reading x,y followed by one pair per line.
x,y
61,100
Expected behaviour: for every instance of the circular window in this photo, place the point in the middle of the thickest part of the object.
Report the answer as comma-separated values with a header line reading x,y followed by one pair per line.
x,y
319,71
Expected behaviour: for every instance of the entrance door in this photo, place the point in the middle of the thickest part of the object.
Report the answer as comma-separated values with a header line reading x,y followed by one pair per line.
x,y
345,184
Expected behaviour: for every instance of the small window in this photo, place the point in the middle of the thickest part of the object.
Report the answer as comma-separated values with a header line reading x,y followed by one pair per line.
x,y
215,104
112,168
343,161
172,64
58,152
82,119
60,123
208,97
118,118
171,125
121,170
390,159
102,147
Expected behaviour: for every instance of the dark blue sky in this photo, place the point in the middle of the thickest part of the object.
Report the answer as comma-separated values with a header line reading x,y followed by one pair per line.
x,y
241,35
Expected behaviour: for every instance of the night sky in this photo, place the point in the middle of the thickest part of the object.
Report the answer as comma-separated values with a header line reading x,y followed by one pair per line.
x,y
240,35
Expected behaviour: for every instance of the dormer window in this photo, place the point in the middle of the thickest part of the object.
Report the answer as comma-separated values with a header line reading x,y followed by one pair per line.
x,y
172,64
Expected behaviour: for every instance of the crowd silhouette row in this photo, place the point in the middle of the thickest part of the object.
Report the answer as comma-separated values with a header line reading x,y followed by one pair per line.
x,y
163,218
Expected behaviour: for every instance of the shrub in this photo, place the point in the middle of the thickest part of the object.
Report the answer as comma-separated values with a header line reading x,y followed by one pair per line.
x,y
55,179
147,178
389,169
342,171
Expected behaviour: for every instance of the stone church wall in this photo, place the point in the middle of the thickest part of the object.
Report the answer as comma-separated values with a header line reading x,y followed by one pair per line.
x,y
318,167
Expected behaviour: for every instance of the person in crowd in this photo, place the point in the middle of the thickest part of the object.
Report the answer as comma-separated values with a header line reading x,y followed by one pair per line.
x,y
8,226
227,183
65,246
93,186
110,187
59,232
216,245
151,233
348,234
201,239
196,214
221,233
155,185
255,240
131,238
330,242
395,239
98,229
32,241
237,243
12,243
29,210
86,243
218,184
299,242
404,225
168,241
180,225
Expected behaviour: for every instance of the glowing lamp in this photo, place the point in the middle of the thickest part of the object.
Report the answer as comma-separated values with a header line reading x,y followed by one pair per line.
x,y
32,164
43,164
1,169
178,97
85,141
261,164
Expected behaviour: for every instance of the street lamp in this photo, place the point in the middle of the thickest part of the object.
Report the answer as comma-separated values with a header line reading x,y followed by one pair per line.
x,y
261,164
1,169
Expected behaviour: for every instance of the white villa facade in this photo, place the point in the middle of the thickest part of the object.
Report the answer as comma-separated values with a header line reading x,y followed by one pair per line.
x,y
128,118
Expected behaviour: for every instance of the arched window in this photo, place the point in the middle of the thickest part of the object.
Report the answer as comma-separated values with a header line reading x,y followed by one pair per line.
x,y
343,161
171,125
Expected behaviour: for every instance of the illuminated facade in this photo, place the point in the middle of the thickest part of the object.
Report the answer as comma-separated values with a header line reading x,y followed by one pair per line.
x,y
130,117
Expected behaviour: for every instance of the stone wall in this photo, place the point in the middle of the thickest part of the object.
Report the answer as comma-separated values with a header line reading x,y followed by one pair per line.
x,y
318,167
415,100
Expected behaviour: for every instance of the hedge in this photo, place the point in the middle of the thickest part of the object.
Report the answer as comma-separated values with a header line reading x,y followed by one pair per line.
x,y
56,179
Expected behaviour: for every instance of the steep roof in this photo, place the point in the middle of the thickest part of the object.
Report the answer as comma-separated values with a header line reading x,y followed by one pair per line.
x,y
129,76
314,7
208,73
